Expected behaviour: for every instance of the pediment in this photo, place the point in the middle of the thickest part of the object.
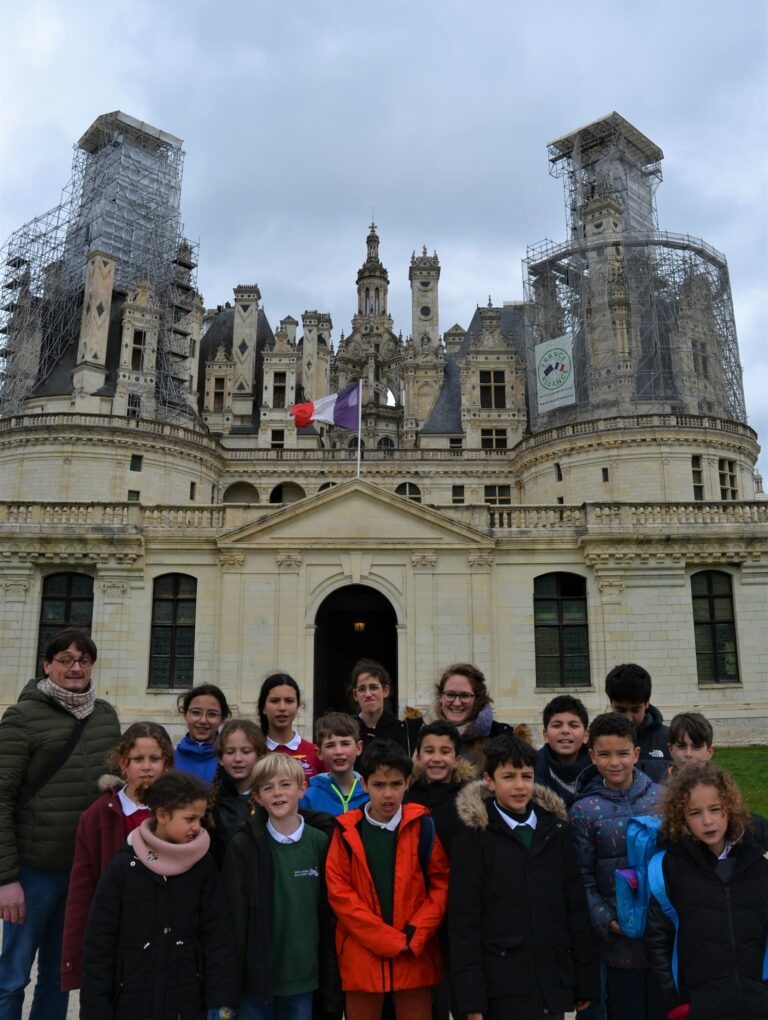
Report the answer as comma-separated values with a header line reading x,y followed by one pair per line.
x,y
361,514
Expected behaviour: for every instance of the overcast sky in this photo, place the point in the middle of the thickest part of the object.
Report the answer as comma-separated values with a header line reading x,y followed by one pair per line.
x,y
300,118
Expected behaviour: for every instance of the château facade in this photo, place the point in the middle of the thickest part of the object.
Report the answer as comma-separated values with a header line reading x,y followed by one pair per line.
x,y
564,483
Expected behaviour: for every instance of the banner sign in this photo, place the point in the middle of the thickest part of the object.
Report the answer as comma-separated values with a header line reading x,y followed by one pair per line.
x,y
554,373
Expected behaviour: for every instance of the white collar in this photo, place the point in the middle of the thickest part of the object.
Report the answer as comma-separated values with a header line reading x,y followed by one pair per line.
x,y
128,806
391,825
292,744
530,821
280,837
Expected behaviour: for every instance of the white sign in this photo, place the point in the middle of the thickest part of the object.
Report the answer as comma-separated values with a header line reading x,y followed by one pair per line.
x,y
554,373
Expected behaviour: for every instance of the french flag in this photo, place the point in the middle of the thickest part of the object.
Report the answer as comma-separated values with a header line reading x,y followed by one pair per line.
x,y
342,409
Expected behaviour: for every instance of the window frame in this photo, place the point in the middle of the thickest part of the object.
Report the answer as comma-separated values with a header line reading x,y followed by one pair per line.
x,y
175,628
46,627
493,392
708,631
563,626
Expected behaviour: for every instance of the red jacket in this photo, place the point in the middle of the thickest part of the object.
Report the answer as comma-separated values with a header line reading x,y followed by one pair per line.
x,y
100,834
373,955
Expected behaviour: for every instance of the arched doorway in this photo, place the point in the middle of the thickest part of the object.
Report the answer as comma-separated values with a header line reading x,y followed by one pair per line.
x,y
352,623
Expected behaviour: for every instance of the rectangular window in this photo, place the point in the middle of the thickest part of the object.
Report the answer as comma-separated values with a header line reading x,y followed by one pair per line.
x,y
698,478
278,390
172,645
493,439
134,495
560,500
455,445
498,495
605,474
457,495
561,635
714,628
558,473
492,392
136,461
134,405
193,490
277,441
727,470
137,350
67,602
218,394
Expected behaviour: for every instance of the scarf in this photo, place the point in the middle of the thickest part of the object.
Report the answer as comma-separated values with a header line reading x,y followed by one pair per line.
x,y
167,859
80,704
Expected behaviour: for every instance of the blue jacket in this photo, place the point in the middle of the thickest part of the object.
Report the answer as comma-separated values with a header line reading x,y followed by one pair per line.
x,y
599,824
200,759
323,795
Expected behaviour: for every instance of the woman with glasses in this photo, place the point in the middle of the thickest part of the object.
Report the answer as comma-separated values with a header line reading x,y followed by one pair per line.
x,y
204,709
463,699
370,689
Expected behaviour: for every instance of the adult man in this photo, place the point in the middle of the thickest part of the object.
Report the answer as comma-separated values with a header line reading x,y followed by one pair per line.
x,y
52,747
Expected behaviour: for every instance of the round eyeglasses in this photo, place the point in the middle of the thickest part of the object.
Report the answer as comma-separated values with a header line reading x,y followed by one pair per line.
x,y
69,660
463,696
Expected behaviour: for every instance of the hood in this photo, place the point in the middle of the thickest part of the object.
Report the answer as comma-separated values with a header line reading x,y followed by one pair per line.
x,y
191,747
110,782
463,773
653,719
590,781
472,803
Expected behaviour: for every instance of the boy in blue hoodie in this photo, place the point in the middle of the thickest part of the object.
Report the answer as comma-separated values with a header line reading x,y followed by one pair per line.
x,y
337,736
609,792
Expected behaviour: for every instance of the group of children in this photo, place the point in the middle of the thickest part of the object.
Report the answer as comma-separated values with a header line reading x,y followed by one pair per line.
x,y
409,884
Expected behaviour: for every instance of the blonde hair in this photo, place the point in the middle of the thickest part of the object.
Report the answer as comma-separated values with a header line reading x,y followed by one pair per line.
x,y
276,764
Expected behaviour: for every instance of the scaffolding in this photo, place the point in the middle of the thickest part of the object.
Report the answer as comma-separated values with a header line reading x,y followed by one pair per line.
x,y
123,198
649,313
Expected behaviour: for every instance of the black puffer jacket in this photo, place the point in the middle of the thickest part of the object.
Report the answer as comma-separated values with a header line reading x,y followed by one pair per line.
x,y
33,733
723,914
158,948
517,919
440,800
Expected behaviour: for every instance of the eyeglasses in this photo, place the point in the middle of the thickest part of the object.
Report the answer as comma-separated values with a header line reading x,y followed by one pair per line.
x,y
373,688
463,696
69,660
198,713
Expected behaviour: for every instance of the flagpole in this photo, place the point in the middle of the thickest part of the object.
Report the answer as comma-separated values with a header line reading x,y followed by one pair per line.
x,y
359,421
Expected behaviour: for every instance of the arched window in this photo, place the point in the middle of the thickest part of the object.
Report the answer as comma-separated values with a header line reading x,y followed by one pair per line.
x,y
67,601
386,445
561,631
410,491
241,492
714,628
376,300
367,300
172,647
286,492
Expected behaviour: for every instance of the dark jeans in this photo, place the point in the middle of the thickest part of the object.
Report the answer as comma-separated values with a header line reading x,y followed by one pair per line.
x,y
631,995
45,895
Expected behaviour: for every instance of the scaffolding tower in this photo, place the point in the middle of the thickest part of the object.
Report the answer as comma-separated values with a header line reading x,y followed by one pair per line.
x,y
124,199
649,313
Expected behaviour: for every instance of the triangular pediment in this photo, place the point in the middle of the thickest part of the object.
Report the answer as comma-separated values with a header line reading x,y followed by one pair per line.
x,y
361,514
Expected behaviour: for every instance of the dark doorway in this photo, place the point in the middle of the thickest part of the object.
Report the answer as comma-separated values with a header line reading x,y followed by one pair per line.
x,y
355,622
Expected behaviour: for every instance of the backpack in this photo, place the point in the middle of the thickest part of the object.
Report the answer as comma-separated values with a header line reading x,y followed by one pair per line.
x,y
632,890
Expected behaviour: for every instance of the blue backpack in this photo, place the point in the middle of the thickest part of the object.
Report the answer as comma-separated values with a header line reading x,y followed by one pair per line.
x,y
632,890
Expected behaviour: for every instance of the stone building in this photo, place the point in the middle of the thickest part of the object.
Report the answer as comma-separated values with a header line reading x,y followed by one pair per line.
x,y
565,483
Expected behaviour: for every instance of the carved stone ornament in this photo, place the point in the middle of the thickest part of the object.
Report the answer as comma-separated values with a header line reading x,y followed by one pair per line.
x,y
483,560
288,561
113,589
424,560
230,560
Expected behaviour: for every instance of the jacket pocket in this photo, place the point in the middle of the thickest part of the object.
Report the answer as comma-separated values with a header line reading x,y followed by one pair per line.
x,y
506,962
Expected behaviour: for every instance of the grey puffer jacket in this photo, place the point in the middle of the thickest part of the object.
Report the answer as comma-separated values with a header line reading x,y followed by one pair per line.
x,y
33,734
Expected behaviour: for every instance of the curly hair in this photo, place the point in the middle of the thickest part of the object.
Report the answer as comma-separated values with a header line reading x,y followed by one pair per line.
x,y
138,731
677,792
174,790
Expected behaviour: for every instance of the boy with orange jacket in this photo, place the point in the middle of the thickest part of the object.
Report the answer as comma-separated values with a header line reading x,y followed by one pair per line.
x,y
387,880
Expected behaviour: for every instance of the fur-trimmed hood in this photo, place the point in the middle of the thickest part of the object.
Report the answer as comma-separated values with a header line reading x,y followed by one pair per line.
x,y
463,773
472,803
481,725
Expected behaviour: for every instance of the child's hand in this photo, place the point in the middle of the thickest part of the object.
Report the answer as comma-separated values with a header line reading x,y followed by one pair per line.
x,y
582,1005
614,927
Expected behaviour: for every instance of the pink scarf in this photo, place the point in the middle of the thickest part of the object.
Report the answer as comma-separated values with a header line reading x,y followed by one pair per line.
x,y
167,859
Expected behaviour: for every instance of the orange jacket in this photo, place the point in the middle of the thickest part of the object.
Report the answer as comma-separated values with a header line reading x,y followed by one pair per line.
x,y
373,955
